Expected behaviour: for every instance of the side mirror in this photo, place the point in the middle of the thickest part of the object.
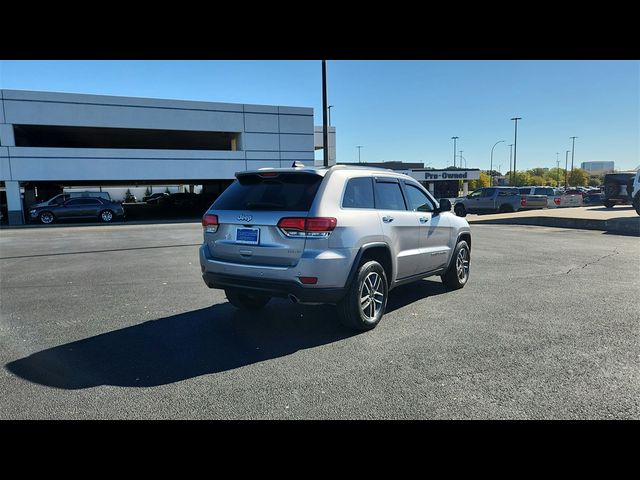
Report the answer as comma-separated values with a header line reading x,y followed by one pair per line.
x,y
445,205
469,196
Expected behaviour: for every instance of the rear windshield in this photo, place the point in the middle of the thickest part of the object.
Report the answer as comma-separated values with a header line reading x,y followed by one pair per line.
x,y
283,192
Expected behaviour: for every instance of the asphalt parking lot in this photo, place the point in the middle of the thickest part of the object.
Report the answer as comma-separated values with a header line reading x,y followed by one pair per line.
x,y
114,322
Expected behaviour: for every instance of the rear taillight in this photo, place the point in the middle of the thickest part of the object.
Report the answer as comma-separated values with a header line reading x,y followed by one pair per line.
x,y
307,227
210,223
523,201
556,200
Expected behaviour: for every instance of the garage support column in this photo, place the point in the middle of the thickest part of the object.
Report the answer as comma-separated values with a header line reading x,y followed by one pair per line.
x,y
465,189
14,203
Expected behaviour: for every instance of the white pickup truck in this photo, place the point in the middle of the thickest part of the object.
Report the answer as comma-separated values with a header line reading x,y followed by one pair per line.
x,y
555,199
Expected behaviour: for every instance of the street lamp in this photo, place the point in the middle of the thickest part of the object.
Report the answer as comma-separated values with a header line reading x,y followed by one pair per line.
x,y
329,108
510,159
572,147
515,143
491,167
566,167
325,126
461,158
358,147
558,168
454,149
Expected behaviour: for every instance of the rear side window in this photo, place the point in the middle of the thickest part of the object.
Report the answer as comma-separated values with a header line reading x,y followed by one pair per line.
x,y
543,191
358,193
389,196
488,192
282,192
525,191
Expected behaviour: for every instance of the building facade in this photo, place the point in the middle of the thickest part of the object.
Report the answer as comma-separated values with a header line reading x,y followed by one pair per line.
x,y
50,140
598,168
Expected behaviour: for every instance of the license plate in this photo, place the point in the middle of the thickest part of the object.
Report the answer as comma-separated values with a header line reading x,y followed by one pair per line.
x,y
249,236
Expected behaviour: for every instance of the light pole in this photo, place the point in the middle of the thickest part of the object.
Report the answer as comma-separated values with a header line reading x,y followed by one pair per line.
x,y
558,169
573,144
566,167
461,158
491,167
510,158
454,149
515,144
330,107
325,128
358,147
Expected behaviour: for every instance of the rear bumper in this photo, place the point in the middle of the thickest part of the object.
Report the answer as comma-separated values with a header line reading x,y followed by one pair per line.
x,y
274,288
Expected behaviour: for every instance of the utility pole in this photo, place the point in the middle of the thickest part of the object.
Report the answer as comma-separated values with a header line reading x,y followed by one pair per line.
x,y
558,169
566,167
572,148
325,133
515,143
358,147
454,149
510,160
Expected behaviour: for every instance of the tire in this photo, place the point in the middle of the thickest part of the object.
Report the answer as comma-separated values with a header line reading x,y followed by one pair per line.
x,y
458,273
372,285
246,301
459,210
506,208
106,216
608,204
636,203
46,217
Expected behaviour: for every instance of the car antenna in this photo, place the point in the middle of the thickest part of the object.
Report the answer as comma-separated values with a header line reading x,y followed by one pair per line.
x,y
297,164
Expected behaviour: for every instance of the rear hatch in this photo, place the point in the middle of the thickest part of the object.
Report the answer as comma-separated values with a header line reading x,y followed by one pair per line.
x,y
249,211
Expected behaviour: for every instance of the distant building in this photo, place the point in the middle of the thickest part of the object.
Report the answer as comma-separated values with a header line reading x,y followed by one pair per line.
x,y
597,168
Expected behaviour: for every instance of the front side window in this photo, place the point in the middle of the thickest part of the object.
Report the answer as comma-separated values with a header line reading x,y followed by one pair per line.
x,y
488,192
475,194
418,200
389,196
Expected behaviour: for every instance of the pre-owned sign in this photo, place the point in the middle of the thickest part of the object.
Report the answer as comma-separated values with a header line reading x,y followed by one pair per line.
x,y
440,175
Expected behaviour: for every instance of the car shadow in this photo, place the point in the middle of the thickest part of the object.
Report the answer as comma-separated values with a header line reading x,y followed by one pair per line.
x,y
412,292
178,347
205,341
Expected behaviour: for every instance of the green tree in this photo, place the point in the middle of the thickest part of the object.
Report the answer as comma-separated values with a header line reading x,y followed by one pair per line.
x,y
166,190
483,181
128,196
537,172
578,178
521,178
148,192
551,177
536,179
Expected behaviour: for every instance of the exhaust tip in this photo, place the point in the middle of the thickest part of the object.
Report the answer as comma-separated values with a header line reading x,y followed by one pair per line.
x,y
293,298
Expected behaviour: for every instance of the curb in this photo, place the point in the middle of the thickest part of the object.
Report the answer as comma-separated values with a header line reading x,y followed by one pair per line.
x,y
622,226
102,224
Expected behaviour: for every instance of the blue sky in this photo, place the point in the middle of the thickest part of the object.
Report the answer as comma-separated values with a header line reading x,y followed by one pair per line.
x,y
399,110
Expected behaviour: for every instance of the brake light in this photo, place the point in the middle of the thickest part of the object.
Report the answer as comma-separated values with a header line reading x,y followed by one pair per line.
x,y
313,227
210,223
556,200
268,174
309,280
523,201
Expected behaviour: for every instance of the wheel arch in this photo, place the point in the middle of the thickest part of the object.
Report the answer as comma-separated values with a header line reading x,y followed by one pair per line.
x,y
378,251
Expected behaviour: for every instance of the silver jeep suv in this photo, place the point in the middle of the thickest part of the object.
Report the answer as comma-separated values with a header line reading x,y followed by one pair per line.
x,y
341,235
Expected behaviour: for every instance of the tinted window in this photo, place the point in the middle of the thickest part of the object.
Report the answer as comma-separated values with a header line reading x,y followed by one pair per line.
x,y
389,196
543,191
358,194
418,200
525,191
83,201
488,192
475,193
284,192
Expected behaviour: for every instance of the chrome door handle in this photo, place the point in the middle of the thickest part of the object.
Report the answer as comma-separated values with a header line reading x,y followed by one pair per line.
x,y
387,219
424,219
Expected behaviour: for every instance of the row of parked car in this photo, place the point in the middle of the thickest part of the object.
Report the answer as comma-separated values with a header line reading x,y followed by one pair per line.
x,y
99,205
619,189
